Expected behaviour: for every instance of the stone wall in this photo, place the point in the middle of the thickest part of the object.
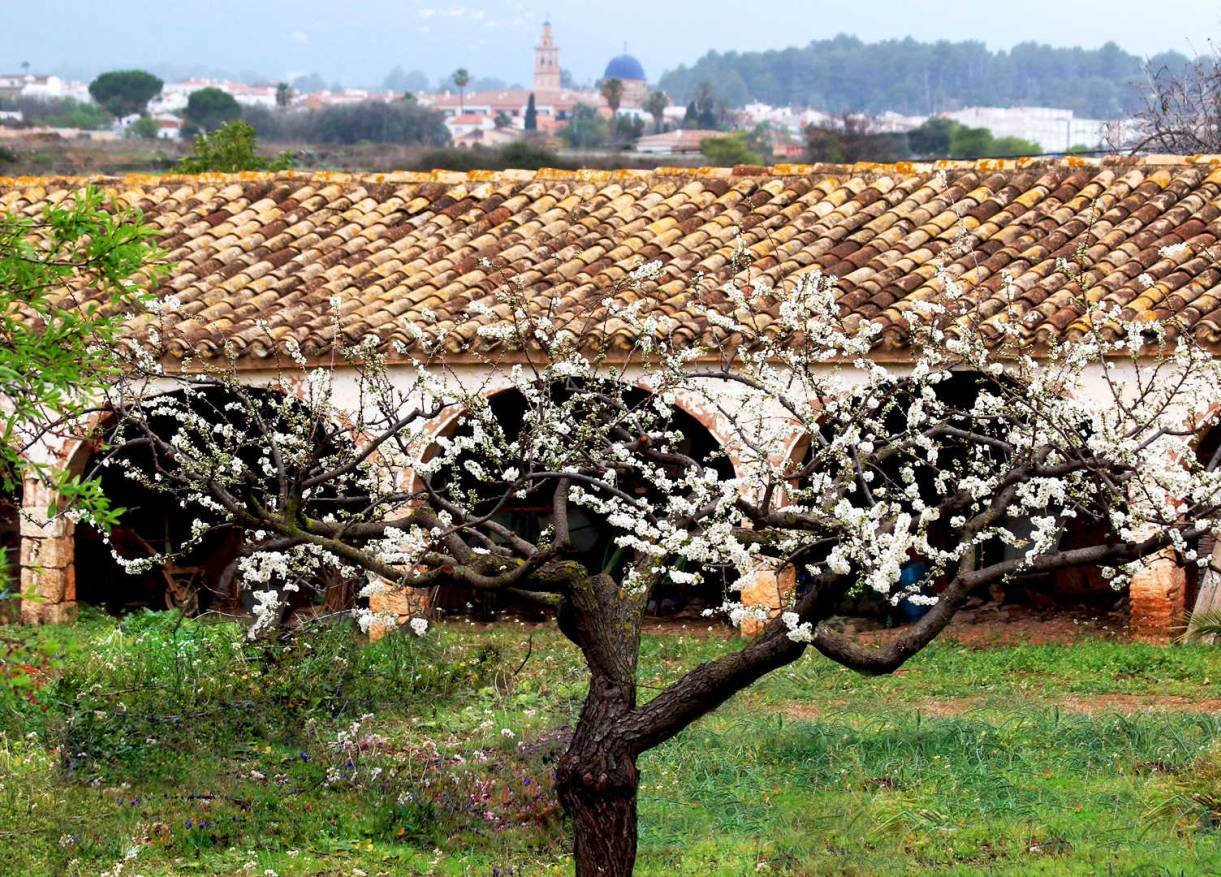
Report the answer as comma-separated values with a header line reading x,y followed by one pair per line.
x,y
48,569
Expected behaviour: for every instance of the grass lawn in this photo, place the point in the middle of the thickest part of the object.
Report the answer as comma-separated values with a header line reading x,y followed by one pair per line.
x,y
207,755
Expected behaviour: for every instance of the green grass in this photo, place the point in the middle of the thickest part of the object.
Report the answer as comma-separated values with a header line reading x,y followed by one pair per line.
x,y
210,755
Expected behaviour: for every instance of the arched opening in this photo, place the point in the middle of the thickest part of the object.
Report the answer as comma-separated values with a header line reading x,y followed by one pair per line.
x,y
1203,585
593,539
1078,590
197,549
10,548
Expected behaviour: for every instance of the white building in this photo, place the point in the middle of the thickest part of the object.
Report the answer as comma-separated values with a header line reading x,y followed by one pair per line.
x,y
1055,130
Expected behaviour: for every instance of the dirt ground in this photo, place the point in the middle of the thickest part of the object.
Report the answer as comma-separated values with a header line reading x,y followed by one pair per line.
x,y
998,625
989,624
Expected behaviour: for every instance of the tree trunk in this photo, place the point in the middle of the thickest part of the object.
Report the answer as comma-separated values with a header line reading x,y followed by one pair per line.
x,y
597,781
603,827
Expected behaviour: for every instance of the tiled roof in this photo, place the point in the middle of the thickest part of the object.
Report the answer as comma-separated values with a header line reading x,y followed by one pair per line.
x,y
278,248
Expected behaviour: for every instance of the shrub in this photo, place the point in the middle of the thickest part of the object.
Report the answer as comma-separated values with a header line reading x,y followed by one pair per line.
x,y
160,684
230,150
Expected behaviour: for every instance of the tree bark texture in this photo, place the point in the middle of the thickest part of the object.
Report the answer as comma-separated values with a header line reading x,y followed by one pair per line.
x,y
597,778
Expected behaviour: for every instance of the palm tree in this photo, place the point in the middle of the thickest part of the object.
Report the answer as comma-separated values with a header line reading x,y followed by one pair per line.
x,y
655,105
1204,626
612,90
461,79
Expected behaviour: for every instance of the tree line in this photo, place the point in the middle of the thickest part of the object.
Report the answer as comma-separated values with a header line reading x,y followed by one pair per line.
x,y
366,122
845,74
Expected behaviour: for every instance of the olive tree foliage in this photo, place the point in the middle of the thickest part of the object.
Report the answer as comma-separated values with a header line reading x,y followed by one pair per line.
x,y
894,467
69,278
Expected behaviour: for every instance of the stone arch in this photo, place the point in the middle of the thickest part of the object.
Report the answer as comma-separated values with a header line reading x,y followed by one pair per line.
x,y
1185,587
48,569
204,576
10,552
1081,587
706,435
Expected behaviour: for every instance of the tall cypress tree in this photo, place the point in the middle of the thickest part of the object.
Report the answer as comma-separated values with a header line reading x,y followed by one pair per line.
x,y
531,114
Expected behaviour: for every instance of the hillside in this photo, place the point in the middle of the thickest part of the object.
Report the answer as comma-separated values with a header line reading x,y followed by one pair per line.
x,y
845,74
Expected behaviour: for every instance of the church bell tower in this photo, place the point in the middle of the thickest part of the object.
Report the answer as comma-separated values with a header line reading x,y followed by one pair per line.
x,y
546,63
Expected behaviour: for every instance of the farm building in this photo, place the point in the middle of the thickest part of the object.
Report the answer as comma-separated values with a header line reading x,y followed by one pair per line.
x,y
258,260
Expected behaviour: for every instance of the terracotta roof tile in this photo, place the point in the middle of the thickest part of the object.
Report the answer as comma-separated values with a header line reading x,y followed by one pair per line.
x,y
277,248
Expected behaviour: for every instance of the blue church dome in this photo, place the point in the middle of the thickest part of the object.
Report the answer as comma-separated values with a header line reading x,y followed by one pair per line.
x,y
624,67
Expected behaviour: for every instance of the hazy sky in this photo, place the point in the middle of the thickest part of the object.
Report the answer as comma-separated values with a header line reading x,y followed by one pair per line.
x,y
359,41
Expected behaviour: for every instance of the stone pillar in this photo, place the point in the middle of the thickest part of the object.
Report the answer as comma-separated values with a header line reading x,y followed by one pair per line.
x,y
48,572
402,603
1157,599
769,590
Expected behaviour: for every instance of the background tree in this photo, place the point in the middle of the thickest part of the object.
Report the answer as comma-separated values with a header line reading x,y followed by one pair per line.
x,y
1181,108
612,92
730,150
284,95
970,455
64,112
461,78
625,130
655,105
934,138
531,119
145,128
525,154
400,80
853,139
845,74
125,92
309,83
502,120
231,149
706,107
368,121
586,128
209,108
691,118
946,138
69,278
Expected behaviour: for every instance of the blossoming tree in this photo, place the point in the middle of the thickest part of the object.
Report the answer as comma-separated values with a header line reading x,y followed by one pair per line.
x,y
844,469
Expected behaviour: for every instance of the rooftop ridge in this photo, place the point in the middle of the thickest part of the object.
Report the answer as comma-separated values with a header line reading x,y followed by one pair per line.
x,y
606,175
259,260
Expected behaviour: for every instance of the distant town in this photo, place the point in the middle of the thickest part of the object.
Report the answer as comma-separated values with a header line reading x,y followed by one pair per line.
x,y
624,113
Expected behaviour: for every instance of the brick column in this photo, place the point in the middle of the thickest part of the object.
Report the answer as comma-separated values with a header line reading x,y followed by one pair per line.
x,y
769,590
402,603
48,572
1157,599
